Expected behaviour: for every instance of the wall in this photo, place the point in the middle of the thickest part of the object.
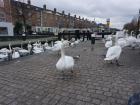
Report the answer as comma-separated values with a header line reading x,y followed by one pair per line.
x,y
6,27
9,28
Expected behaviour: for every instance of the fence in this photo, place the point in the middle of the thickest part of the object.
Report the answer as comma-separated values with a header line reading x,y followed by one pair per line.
x,y
20,37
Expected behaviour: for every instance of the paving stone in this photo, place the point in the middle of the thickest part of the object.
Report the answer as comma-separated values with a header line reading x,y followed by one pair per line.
x,y
96,101
80,103
34,80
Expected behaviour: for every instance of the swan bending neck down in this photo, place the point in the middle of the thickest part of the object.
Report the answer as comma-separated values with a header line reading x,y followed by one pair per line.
x,y
65,63
108,44
114,53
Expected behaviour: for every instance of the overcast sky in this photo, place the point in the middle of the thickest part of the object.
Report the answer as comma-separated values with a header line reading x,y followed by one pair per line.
x,y
119,11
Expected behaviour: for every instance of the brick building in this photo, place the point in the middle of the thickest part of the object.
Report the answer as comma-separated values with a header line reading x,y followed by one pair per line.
x,y
6,27
42,19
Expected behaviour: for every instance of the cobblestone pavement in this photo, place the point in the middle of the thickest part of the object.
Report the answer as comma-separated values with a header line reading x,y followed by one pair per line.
x,y
34,80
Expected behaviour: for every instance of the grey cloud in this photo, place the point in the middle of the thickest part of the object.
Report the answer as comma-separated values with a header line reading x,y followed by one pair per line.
x,y
120,11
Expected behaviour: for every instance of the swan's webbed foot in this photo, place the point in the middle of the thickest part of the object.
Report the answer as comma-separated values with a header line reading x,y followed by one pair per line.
x,y
72,71
65,76
118,64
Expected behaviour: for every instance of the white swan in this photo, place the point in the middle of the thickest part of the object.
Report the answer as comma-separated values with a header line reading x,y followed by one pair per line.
x,y
57,46
22,51
15,54
113,53
66,43
65,62
3,54
77,41
132,41
122,42
47,47
108,44
29,47
46,44
37,48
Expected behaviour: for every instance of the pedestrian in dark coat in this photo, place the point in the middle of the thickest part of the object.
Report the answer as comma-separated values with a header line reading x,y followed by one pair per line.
x,y
92,41
83,36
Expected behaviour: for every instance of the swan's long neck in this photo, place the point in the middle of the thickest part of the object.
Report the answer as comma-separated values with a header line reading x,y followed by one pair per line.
x,y
62,51
52,43
131,33
10,47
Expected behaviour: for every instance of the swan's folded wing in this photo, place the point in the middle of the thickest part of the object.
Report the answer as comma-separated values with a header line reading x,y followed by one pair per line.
x,y
113,52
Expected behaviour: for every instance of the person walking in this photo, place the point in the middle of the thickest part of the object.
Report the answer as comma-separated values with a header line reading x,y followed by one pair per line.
x,y
83,36
92,41
77,34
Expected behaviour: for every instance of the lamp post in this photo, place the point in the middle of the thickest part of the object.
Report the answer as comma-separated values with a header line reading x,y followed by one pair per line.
x,y
138,28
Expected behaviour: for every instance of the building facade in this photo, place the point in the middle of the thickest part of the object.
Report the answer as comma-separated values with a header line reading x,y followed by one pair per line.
x,y
6,27
40,19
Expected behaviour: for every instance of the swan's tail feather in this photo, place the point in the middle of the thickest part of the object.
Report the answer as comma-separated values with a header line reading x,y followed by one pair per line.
x,y
108,58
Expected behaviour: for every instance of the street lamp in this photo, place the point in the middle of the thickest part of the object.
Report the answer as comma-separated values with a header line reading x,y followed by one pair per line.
x,y
138,28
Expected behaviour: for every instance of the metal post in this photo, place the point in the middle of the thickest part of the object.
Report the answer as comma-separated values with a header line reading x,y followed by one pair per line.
x,y
138,23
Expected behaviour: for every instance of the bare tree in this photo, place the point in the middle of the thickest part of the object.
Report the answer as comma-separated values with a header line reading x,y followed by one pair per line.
x,y
24,12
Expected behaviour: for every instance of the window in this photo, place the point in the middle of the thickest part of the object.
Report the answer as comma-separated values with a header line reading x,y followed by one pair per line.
x,y
2,16
3,31
48,29
38,29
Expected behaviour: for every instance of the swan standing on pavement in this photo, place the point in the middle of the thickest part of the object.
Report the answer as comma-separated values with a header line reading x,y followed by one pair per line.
x,y
108,43
65,62
15,53
57,46
132,41
37,48
122,42
3,54
29,47
113,53
22,51
46,46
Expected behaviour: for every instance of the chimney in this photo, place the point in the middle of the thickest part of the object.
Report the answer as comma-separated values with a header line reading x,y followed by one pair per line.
x,y
79,17
44,7
55,10
74,16
29,2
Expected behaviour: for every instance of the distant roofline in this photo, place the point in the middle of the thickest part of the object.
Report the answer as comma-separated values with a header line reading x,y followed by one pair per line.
x,y
48,10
